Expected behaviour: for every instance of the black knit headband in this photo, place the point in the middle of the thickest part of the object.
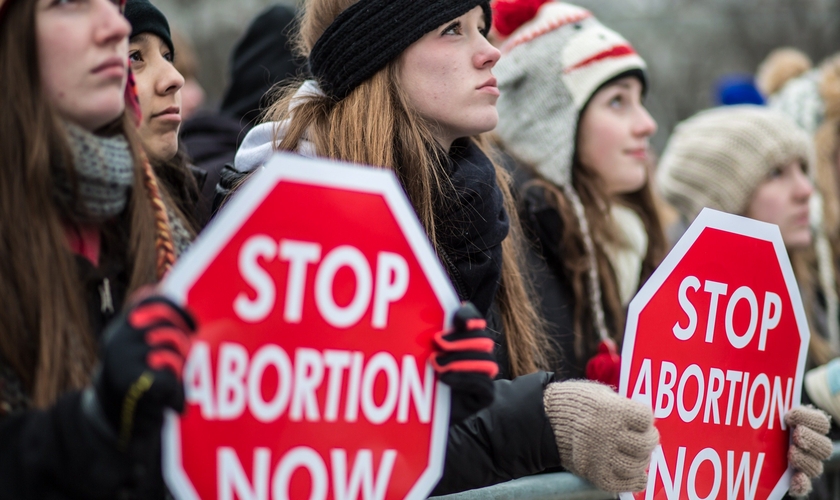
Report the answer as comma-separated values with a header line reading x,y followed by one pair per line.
x,y
371,33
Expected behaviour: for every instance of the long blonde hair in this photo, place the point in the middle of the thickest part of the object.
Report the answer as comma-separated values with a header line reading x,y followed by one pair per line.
x,y
375,125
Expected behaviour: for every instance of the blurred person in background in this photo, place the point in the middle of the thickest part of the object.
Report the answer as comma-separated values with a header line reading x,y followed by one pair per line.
x,y
262,58
84,226
811,97
755,162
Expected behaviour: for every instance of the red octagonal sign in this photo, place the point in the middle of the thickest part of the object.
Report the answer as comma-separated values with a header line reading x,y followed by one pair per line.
x,y
317,294
715,344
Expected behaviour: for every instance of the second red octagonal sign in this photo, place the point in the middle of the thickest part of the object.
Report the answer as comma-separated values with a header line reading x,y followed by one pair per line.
x,y
317,294
715,344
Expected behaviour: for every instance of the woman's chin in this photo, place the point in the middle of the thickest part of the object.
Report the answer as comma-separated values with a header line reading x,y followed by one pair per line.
x,y
797,240
481,123
160,152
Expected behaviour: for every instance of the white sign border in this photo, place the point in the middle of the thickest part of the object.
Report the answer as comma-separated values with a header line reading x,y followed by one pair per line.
x,y
723,221
331,174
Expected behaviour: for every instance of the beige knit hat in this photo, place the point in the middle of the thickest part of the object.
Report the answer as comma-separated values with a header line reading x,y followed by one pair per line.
x,y
718,157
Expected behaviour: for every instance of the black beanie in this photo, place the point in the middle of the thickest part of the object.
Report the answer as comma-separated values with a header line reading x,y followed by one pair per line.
x,y
146,18
371,33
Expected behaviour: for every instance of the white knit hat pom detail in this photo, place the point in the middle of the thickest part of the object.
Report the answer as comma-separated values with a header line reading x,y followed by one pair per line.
x,y
550,17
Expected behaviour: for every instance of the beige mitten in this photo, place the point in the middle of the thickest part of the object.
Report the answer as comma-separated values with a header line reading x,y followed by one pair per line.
x,y
602,437
809,447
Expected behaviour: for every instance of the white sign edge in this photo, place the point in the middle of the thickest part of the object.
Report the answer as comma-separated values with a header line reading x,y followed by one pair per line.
x,y
319,172
714,219
173,468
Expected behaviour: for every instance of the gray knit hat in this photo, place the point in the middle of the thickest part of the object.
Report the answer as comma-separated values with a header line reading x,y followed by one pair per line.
x,y
550,68
718,157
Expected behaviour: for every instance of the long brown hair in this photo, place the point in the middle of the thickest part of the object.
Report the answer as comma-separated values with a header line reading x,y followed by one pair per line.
x,y
44,327
375,125
575,261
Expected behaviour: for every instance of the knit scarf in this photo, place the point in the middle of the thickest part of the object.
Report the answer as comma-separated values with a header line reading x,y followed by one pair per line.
x,y
470,224
627,255
104,174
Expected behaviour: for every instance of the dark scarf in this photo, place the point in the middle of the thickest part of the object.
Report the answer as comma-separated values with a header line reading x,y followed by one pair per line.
x,y
471,223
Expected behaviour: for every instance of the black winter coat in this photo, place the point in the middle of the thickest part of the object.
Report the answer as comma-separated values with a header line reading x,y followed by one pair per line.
x,y
511,438
56,453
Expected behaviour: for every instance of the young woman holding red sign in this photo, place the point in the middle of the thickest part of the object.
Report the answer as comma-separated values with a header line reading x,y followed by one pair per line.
x,y
754,161
85,374
409,86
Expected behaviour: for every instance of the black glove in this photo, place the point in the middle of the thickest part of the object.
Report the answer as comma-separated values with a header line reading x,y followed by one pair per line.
x,y
465,362
143,355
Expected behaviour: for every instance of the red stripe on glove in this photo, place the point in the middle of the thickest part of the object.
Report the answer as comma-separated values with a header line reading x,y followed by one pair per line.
x,y
481,344
149,314
489,368
171,337
476,324
162,359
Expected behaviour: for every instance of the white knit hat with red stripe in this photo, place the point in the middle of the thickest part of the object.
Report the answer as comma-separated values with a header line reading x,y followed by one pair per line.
x,y
550,67
556,56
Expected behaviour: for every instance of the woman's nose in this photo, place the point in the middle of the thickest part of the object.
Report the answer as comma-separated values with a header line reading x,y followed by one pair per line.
x,y
487,55
645,125
170,79
803,187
